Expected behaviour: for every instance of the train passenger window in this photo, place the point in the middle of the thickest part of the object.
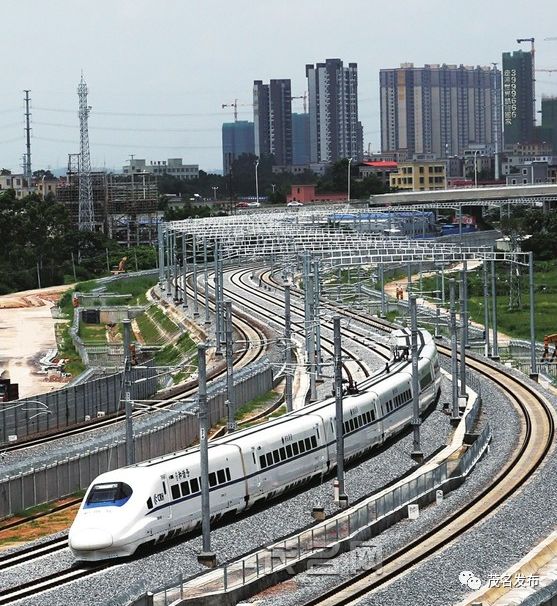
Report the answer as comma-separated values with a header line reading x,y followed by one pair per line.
x,y
302,447
149,503
295,449
269,458
227,471
175,489
288,450
351,424
314,441
212,479
194,483
346,427
262,462
185,487
307,442
276,456
282,452
373,415
221,476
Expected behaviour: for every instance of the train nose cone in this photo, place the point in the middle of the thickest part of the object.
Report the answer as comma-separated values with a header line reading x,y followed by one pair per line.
x,y
86,539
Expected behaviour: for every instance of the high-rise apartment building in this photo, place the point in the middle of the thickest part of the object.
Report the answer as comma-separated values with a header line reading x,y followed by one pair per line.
x,y
237,139
549,121
518,97
272,118
335,132
440,110
300,139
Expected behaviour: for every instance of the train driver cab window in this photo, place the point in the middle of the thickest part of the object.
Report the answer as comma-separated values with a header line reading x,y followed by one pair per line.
x,y
113,494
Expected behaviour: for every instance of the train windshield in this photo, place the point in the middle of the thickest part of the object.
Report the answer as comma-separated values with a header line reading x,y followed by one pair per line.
x,y
114,494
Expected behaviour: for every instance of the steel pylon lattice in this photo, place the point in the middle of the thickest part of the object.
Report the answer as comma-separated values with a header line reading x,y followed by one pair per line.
x,y
86,215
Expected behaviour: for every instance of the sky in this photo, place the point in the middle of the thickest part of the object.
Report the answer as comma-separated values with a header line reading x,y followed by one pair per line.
x,y
158,71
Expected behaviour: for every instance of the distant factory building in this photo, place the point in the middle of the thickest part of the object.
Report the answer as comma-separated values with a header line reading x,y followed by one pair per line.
x,y
173,167
237,139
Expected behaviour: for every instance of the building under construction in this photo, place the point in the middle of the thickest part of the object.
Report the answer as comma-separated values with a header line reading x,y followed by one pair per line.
x,y
133,208
67,193
125,206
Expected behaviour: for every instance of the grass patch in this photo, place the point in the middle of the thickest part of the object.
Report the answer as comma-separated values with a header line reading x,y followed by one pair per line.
x,y
278,412
260,402
513,322
148,329
74,366
92,333
175,353
160,318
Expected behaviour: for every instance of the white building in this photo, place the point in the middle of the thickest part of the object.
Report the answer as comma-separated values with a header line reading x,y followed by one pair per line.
x,y
173,167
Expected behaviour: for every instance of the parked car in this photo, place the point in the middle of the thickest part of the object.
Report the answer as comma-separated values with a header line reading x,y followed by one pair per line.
x,y
294,203
242,205
254,204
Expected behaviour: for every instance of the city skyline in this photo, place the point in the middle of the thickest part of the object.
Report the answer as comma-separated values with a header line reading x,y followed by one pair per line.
x,y
158,78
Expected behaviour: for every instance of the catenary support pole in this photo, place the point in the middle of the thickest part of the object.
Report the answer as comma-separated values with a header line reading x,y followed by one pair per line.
x,y
184,271
455,415
206,557
417,453
463,323
495,354
130,450
168,265
175,257
339,489
206,282
317,315
195,293
465,303
230,389
160,240
533,361
487,350
288,347
382,287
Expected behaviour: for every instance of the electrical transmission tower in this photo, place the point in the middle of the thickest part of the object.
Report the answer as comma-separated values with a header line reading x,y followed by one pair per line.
x,y
27,158
86,216
515,299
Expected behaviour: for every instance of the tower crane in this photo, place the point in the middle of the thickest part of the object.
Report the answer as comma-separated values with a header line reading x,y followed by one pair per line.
x,y
305,98
235,105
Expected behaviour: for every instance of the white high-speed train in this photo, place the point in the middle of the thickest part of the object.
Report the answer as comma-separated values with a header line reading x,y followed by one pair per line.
x,y
153,501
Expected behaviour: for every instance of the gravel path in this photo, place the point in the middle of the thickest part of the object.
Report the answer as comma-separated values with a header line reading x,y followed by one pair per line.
x,y
116,585
486,550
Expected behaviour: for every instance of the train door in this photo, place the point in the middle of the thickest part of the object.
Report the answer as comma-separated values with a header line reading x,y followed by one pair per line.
x,y
163,499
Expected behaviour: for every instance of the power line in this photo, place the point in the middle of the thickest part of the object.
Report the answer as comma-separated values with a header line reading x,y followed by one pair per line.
x,y
134,114
122,129
128,145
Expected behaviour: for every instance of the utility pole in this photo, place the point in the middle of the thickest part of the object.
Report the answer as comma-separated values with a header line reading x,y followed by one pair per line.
x,y
455,416
168,265
175,257
27,164
382,286
288,347
130,449
465,304
230,389
206,557
86,211
309,324
417,453
218,302
339,494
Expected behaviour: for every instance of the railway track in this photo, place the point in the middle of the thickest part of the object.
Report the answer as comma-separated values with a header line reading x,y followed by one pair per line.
x,y
535,441
243,358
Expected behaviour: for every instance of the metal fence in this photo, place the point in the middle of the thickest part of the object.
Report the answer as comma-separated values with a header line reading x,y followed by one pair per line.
x,y
71,405
167,433
327,538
